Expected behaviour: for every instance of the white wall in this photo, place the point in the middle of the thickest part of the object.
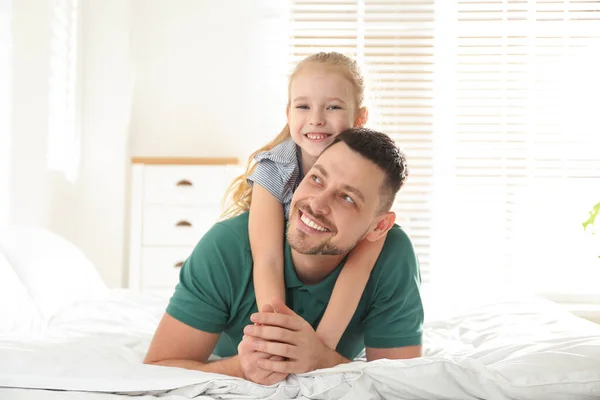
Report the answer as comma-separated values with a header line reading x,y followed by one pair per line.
x,y
37,196
208,82
210,76
5,108
91,211
106,116
31,50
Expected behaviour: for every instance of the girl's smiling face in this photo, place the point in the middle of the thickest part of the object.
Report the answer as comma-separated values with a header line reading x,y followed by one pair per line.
x,y
321,106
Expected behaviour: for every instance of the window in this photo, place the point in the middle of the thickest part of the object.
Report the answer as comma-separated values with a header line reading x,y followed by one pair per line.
x,y
5,109
63,133
522,142
495,104
393,43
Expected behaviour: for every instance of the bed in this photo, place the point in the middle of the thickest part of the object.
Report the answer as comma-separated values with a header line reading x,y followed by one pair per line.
x,y
76,339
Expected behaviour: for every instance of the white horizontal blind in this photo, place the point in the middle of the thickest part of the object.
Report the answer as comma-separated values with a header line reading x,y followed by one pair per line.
x,y
526,139
393,43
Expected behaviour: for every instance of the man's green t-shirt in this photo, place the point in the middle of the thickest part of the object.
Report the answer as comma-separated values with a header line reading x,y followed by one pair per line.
x,y
216,293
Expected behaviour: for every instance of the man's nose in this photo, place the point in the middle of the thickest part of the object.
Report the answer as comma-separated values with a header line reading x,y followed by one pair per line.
x,y
320,203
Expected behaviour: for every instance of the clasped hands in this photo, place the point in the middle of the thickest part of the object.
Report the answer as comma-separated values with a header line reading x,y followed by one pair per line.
x,y
279,343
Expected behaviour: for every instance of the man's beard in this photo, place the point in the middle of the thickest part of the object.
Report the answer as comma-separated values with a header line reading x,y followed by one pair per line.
x,y
297,241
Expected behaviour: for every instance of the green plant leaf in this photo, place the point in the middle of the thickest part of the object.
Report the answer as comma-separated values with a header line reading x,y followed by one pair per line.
x,y
592,218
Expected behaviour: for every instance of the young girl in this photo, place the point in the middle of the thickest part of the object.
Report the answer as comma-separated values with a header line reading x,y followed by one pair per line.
x,y
325,95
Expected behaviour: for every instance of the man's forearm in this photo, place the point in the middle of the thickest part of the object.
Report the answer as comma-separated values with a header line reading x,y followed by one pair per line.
x,y
331,358
230,366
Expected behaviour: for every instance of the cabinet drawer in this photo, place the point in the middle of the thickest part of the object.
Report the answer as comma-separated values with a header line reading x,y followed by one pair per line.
x,y
177,226
186,185
161,266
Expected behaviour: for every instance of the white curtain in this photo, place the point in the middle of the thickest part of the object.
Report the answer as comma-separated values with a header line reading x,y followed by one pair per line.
x,y
63,117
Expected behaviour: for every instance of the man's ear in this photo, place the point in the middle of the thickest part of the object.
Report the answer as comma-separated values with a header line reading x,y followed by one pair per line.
x,y
361,117
385,222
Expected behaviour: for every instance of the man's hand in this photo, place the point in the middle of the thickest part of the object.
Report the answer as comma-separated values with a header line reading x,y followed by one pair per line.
x,y
249,358
286,334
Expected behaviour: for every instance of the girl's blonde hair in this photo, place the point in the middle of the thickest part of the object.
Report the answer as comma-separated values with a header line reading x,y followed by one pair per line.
x,y
240,190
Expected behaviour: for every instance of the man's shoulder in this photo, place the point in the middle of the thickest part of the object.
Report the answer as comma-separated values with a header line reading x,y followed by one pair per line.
x,y
394,315
228,232
213,276
223,249
398,241
398,256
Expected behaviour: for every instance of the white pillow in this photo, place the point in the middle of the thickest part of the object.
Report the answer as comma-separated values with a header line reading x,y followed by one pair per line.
x,y
54,271
18,312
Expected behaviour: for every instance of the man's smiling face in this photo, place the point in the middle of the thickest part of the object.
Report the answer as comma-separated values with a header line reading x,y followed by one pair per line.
x,y
336,204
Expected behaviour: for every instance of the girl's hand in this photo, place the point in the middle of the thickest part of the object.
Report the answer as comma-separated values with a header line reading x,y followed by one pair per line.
x,y
249,359
287,335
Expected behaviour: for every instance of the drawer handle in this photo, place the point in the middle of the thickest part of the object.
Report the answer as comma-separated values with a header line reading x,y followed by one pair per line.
x,y
178,265
183,223
184,182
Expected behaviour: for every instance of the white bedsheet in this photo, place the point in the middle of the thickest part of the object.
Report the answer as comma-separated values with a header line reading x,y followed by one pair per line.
x,y
498,347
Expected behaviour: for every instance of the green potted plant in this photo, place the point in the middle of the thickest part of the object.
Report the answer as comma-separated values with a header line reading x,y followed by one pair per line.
x,y
589,224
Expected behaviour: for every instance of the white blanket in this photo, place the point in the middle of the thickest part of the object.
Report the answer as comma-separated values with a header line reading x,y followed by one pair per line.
x,y
515,347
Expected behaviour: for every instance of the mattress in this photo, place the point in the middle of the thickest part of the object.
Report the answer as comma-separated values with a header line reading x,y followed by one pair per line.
x,y
478,345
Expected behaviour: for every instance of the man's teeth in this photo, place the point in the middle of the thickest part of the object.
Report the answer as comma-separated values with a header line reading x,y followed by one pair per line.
x,y
316,136
311,223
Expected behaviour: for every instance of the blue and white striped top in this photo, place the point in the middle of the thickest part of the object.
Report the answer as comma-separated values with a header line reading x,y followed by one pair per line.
x,y
279,171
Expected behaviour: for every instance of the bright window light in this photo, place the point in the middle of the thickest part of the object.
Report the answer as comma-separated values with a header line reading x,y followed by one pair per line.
x,y
496,108
63,130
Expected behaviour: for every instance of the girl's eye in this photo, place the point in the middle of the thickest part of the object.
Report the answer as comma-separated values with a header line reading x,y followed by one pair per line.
x,y
347,199
302,106
334,108
315,178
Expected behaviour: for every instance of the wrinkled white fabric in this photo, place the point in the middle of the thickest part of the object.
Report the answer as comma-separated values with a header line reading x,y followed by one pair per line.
x,y
503,347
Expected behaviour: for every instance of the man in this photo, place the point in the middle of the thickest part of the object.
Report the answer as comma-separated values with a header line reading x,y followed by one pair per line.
x,y
344,198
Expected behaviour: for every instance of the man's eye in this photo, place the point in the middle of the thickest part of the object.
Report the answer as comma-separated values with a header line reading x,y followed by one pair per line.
x,y
348,199
316,178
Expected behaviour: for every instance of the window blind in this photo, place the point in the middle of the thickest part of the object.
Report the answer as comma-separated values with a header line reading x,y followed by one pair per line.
x,y
494,103
393,44
525,141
